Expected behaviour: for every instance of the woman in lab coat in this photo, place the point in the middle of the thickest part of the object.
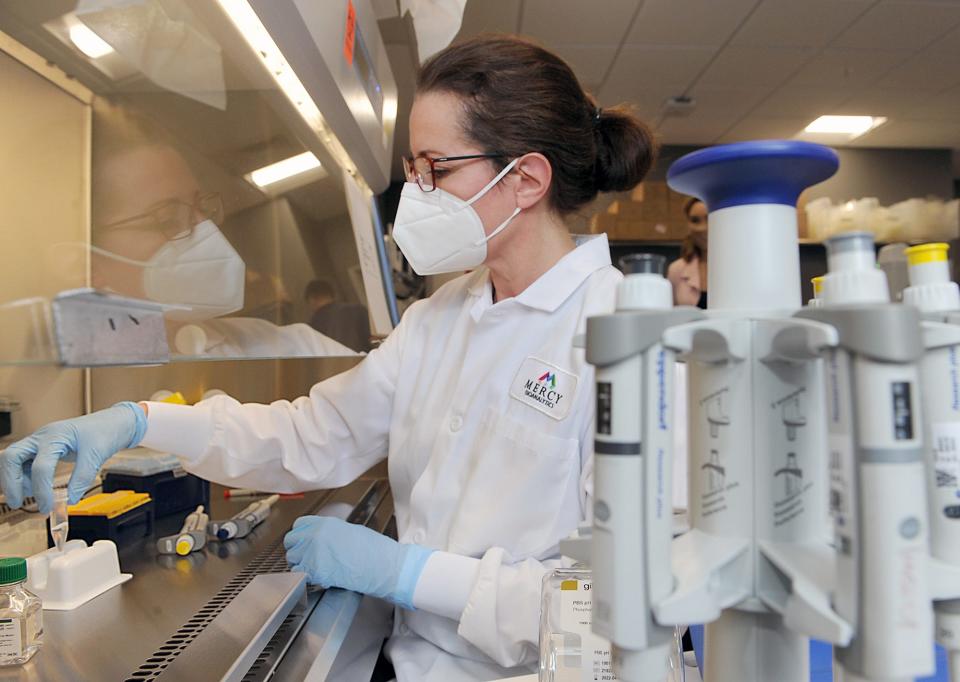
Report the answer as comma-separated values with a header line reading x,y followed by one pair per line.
x,y
478,399
688,274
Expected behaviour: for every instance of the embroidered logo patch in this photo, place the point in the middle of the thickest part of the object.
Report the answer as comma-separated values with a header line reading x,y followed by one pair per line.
x,y
544,387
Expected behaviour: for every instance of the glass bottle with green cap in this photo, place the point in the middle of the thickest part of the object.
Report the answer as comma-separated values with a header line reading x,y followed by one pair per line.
x,y
21,614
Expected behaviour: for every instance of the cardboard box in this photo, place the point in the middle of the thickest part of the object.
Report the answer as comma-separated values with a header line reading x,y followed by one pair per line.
x,y
629,210
655,192
603,222
642,230
656,207
677,216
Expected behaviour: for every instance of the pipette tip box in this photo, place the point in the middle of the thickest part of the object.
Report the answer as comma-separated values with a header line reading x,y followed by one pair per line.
x,y
121,516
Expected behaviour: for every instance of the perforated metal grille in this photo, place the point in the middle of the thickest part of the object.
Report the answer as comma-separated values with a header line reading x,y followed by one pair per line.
x,y
270,560
271,654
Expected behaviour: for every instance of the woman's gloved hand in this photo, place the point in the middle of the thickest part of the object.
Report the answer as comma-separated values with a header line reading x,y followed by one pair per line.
x,y
28,466
334,553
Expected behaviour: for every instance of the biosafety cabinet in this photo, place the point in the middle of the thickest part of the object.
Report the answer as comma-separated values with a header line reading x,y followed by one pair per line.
x,y
184,183
208,169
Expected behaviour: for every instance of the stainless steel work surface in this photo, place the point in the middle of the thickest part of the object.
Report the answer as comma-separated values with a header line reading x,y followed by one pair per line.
x,y
110,637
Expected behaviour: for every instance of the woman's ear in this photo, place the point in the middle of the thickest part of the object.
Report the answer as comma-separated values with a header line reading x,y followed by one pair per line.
x,y
535,174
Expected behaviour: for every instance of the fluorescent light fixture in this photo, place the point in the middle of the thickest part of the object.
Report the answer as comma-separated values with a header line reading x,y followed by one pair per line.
x,y
77,36
288,174
246,21
847,126
87,41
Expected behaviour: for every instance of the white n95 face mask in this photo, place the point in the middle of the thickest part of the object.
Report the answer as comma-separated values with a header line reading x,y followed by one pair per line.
x,y
439,232
202,272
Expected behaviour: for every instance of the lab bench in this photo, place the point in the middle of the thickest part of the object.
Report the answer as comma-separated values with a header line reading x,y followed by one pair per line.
x,y
228,611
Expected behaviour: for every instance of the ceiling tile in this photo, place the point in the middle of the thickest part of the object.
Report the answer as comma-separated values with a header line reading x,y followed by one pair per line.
x,y
490,16
883,102
791,101
688,22
743,67
925,71
907,25
729,104
788,23
589,62
577,22
764,128
691,130
646,101
839,68
948,46
662,68
909,133
944,106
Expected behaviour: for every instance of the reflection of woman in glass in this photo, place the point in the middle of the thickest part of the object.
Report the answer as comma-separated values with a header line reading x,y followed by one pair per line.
x,y
156,236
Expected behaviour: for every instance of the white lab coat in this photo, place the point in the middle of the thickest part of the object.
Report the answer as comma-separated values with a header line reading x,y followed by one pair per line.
x,y
485,413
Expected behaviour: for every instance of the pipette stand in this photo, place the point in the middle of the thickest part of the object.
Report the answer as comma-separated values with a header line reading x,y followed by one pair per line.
x,y
785,406
68,579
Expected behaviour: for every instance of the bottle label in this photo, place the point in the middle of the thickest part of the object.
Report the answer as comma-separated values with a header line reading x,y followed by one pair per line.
x,y
10,644
596,661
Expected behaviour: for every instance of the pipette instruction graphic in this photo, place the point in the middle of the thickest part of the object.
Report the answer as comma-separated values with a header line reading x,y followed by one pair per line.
x,y
716,413
192,535
792,413
242,523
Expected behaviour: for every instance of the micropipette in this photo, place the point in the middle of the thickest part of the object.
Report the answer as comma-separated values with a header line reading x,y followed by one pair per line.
x,y
230,493
59,518
192,535
242,523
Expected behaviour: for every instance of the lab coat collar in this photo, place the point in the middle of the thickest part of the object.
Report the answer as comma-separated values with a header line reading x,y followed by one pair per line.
x,y
555,286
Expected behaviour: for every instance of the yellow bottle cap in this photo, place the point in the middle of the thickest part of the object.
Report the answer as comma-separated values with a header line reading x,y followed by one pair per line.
x,y
927,253
817,285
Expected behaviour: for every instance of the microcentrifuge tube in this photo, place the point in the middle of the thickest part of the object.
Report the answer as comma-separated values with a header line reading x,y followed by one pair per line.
x,y
59,521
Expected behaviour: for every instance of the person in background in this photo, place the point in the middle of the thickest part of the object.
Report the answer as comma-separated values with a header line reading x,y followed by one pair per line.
x,y
348,323
688,274
266,298
479,400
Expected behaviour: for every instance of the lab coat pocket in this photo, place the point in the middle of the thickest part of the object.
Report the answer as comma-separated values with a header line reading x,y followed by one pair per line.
x,y
520,493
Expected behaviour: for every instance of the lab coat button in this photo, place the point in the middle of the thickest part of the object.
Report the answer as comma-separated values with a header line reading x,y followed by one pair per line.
x,y
404,630
456,423
419,537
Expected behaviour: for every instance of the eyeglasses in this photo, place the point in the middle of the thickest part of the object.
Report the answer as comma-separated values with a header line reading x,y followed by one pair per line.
x,y
697,220
174,219
421,169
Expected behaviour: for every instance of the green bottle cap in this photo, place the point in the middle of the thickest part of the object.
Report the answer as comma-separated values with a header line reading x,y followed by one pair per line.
x,y
12,570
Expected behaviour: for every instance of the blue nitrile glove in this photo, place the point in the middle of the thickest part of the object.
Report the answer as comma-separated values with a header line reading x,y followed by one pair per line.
x,y
334,553
27,467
